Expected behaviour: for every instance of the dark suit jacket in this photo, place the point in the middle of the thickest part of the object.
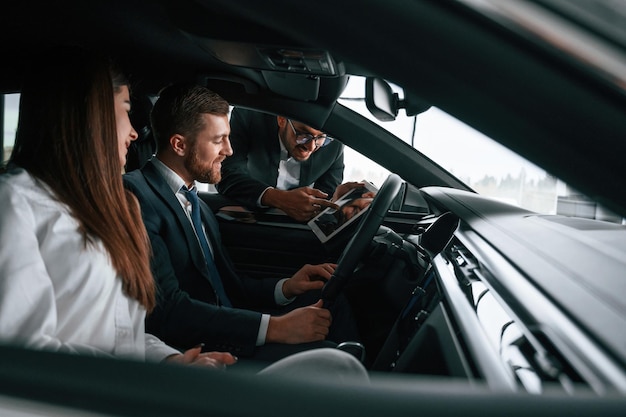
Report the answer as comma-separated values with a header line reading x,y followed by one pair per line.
x,y
254,164
187,313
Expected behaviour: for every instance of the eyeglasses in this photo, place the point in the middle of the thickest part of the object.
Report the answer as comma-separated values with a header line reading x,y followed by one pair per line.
x,y
304,138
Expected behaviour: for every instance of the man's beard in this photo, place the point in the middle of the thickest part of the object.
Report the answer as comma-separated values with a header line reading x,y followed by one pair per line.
x,y
200,173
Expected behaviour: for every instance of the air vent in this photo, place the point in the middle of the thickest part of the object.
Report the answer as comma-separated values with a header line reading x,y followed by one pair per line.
x,y
534,360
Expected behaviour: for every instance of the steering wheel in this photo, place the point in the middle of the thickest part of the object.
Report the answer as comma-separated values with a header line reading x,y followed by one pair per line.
x,y
364,234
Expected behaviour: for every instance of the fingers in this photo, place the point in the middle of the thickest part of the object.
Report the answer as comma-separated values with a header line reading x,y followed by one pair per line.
x,y
353,184
324,204
208,362
329,267
324,271
316,272
322,313
324,319
314,285
315,192
309,277
216,360
302,325
191,354
320,324
306,203
344,188
320,333
317,205
307,210
195,357
222,357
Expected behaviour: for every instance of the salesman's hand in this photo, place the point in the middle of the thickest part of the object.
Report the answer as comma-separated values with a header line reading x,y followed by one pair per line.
x,y
347,186
309,277
301,204
194,356
302,325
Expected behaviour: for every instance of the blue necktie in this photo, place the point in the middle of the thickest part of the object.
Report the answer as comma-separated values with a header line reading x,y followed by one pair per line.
x,y
214,276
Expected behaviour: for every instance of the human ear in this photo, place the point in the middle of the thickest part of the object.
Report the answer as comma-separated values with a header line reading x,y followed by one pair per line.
x,y
178,144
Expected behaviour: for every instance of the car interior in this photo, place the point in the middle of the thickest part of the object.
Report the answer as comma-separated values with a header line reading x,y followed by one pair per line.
x,y
465,304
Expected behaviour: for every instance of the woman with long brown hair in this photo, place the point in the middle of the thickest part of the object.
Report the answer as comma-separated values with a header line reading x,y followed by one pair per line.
x,y
74,259
74,265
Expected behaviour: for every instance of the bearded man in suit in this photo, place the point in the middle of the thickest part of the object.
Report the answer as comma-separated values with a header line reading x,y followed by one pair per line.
x,y
282,163
201,299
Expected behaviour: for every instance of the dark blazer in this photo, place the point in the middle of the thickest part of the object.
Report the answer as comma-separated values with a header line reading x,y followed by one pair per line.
x,y
254,164
186,312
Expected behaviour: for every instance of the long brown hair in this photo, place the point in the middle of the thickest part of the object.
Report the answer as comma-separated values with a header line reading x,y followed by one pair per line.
x,y
67,138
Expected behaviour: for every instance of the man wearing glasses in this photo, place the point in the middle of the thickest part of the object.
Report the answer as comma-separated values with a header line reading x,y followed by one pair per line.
x,y
282,163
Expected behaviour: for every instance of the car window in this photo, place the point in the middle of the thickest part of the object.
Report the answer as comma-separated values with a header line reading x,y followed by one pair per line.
x,y
480,162
11,110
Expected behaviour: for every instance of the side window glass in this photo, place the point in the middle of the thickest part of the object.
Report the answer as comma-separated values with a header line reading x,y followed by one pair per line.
x,y
11,112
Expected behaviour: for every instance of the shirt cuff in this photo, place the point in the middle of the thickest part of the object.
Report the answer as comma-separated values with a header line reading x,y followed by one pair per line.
x,y
156,350
258,201
265,322
279,297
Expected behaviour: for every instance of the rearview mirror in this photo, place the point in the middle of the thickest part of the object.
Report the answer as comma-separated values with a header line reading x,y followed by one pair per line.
x,y
380,99
384,104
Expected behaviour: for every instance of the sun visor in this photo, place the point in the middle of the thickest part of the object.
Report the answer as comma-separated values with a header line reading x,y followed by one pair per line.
x,y
296,86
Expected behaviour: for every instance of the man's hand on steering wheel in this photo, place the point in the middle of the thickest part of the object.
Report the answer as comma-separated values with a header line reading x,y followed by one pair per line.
x,y
358,244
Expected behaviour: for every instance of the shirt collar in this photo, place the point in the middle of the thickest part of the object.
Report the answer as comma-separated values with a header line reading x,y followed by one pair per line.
x,y
173,180
284,155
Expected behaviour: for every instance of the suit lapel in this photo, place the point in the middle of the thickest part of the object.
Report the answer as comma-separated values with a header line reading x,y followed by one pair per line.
x,y
162,189
273,144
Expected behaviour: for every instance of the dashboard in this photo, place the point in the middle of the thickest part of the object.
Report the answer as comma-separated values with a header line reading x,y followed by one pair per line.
x,y
481,312
493,294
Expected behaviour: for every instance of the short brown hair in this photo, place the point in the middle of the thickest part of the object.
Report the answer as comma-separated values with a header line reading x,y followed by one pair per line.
x,y
179,109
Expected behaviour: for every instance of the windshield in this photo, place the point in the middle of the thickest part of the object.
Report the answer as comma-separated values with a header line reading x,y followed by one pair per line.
x,y
483,164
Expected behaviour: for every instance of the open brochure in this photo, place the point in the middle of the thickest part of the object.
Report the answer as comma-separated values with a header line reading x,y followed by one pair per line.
x,y
352,205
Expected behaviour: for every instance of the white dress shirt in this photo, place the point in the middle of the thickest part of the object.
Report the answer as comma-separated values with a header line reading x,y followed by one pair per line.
x,y
56,292
288,173
288,170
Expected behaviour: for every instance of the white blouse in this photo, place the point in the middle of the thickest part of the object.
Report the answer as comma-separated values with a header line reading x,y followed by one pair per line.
x,y
56,292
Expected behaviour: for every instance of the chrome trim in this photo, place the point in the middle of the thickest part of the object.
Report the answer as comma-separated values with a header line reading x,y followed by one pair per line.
x,y
497,376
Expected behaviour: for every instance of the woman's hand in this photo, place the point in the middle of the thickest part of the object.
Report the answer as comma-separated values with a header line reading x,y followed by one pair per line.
x,y
194,356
